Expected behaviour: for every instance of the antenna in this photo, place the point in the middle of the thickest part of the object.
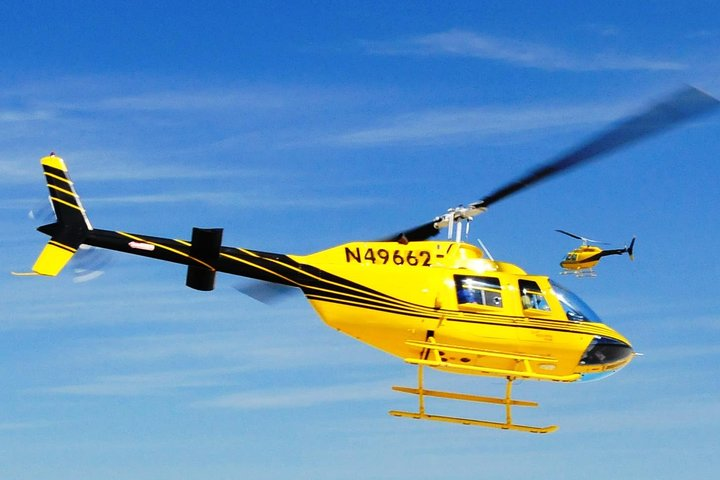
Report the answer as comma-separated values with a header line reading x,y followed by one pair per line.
x,y
485,249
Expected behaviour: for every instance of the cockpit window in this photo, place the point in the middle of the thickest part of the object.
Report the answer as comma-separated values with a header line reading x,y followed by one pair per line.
x,y
532,297
575,309
478,290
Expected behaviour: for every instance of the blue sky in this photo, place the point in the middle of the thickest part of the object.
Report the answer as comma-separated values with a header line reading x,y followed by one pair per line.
x,y
300,125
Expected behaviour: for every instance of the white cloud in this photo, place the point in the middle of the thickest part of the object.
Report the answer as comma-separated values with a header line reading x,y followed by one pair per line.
x,y
238,356
256,353
704,34
603,30
655,415
448,125
516,52
31,115
153,383
116,95
12,171
301,397
674,354
175,101
245,200
29,425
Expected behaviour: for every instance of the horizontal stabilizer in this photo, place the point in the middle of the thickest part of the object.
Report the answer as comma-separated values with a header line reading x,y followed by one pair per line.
x,y
53,258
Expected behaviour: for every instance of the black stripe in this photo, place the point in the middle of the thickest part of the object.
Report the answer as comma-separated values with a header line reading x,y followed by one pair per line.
x,y
64,247
320,285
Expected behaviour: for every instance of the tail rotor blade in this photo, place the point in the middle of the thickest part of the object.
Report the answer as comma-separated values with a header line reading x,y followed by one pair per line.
x,y
631,249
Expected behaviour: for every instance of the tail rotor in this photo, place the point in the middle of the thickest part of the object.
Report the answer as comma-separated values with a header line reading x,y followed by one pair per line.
x,y
631,249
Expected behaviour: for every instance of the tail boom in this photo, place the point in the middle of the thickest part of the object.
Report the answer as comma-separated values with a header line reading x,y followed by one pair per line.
x,y
204,255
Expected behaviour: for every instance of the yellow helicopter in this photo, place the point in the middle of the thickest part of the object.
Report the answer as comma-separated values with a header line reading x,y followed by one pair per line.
x,y
433,303
583,259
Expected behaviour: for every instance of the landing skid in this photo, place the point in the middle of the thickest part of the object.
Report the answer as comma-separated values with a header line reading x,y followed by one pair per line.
x,y
582,273
421,414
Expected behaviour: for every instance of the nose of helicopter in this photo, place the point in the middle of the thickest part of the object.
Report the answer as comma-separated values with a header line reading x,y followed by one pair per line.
x,y
603,357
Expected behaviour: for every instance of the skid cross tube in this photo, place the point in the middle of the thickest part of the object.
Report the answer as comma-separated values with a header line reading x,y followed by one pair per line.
x,y
507,401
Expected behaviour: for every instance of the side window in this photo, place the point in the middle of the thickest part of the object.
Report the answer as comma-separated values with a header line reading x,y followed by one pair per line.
x,y
532,297
478,291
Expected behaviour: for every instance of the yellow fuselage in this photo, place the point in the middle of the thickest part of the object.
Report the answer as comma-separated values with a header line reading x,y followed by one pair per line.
x,y
582,258
393,294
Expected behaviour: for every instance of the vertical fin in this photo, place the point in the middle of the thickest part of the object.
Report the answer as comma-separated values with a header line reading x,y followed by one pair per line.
x,y
72,225
64,199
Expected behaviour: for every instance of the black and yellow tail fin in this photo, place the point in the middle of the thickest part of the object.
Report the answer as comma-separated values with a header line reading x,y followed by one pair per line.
x,y
72,225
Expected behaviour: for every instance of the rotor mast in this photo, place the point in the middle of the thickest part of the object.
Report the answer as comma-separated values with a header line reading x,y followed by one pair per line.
x,y
457,220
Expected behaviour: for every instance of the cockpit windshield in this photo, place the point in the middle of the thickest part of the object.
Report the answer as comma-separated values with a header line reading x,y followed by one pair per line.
x,y
575,309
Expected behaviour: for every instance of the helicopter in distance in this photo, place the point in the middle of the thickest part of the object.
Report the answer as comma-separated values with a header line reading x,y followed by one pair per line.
x,y
581,260
439,304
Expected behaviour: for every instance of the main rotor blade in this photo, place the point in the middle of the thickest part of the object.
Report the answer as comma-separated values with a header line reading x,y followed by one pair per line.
x,y
415,234
570,234
683,105
584,239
